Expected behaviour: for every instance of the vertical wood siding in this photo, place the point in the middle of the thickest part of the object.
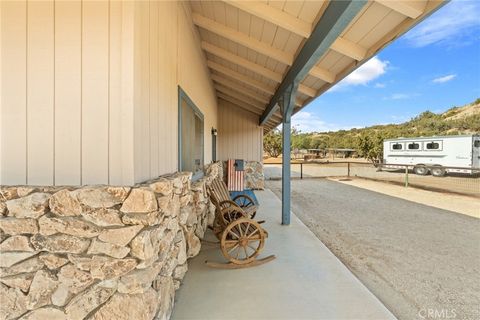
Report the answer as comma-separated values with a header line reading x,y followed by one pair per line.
x,y
239,136
163,61
89,90
62,102
14,92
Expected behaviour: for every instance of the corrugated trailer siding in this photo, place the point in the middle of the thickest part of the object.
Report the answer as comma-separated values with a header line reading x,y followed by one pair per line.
x,y
239,136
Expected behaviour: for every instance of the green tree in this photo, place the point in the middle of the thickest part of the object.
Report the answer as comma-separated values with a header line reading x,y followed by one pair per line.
x,y
370,146
272,143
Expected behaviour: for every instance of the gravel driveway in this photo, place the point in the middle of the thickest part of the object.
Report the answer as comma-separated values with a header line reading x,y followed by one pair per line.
x,y
418,260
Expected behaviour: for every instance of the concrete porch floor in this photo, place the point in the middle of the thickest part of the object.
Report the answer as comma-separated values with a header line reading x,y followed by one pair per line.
x,y
306,281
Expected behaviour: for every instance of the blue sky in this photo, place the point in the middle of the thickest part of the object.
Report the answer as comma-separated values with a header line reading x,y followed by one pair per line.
x,y
434,66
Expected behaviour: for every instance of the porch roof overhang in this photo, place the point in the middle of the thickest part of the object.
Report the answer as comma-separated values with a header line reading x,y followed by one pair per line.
x,y
255,49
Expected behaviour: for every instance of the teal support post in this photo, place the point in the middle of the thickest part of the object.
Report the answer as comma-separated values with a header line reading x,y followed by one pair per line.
x,y
287,103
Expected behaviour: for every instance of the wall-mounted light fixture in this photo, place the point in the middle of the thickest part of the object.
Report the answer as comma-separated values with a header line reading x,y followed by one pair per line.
x,y
214,131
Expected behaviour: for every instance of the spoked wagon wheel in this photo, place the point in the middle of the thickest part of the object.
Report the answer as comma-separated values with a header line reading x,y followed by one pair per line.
x,y
231,214
247,204
242,241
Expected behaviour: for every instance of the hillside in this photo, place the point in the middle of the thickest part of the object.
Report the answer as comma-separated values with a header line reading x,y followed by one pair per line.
x,y
457,120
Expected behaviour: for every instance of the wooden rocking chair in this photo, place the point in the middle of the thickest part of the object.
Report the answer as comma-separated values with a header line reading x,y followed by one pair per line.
x,y
241,238
220,195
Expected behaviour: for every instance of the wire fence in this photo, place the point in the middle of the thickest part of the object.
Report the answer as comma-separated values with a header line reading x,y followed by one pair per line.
x,y
455,180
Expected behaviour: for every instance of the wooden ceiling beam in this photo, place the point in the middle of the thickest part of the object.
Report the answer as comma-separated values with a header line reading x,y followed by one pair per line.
x,y
237,95
242,104
242,78
238,103
307,90
322,74
411,9
247,64
275,16
349,49
239,88
243,39
267,73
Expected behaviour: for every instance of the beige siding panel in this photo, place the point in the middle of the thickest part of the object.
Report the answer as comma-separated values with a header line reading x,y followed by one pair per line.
x,y
95,98
154,74
167,89
127,93
67,92
13,144
194,76
239,136
120,91
40,93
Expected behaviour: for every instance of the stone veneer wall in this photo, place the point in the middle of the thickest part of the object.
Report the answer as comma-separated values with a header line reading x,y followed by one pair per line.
x,y
254,176
100,252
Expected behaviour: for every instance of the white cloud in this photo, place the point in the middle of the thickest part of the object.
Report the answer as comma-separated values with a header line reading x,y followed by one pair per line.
x,y
455,24
380,85
445,78
400,96
369,71
309,122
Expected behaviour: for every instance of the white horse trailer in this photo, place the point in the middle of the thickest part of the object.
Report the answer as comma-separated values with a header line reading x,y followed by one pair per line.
x,y
435,155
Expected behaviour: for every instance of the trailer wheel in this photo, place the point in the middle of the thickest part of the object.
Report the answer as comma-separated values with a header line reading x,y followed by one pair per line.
x,y
421,170
438,171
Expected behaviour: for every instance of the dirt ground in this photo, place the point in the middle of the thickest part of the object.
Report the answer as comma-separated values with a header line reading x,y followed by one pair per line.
x,y
457,203
462,184
415,258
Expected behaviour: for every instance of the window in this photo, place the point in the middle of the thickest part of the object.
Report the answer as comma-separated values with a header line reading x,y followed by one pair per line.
x,y
397,146
433,146
190,130
413,146
476,144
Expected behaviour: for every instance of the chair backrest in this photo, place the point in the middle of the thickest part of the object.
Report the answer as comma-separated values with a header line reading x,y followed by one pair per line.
x,y
218,190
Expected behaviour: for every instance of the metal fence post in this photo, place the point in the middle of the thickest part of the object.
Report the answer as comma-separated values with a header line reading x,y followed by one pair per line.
x,y
348,169
406,176
301,170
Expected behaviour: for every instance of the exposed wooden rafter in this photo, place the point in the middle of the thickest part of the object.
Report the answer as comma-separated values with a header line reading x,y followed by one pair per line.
x,y
239,88
247,64
244,105
275,16
411,9
322,74
349,49
238,103
267,73
243,39
240,77
335,19
242,97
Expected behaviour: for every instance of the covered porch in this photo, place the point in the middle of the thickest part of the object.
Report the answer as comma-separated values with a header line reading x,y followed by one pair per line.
x,y
306,281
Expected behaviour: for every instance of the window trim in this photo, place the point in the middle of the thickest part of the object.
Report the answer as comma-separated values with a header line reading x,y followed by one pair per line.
x,y
439,142
420,146
183,95
397,150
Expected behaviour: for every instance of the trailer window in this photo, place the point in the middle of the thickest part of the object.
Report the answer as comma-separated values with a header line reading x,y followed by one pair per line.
x,y
477,143
433,146
397,146
413,146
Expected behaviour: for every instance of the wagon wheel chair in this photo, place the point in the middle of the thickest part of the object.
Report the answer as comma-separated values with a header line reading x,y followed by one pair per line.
x,y
241,238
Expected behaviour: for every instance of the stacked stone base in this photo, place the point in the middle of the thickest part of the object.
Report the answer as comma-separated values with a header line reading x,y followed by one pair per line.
x,y
100,252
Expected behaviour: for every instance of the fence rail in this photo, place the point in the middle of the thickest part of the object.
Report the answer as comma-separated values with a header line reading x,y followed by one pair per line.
x,y
453,182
